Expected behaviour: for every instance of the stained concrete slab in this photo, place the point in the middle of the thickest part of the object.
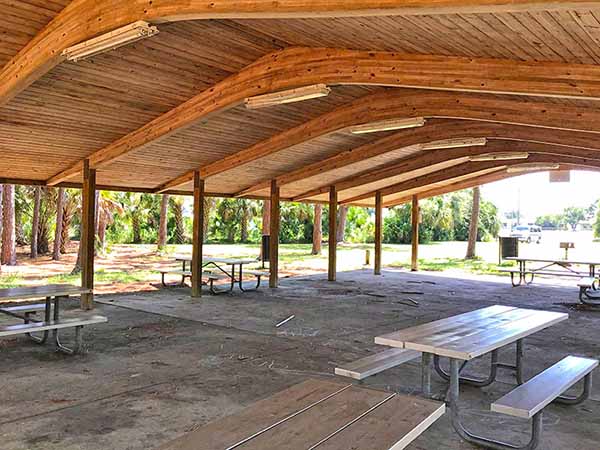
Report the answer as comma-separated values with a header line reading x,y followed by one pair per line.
x,y
165,364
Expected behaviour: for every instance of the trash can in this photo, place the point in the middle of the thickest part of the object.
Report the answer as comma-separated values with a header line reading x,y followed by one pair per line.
x,y
266,245
509,247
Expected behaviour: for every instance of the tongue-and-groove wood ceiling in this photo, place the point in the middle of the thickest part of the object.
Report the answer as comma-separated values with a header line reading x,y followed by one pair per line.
x,y
524,74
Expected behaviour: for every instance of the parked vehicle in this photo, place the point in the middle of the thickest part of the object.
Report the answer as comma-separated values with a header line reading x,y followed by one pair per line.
x,y
527,233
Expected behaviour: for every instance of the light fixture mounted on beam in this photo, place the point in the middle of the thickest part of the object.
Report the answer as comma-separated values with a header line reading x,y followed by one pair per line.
x,y
388,125
289,96
110,41
528,167
499,156
454,143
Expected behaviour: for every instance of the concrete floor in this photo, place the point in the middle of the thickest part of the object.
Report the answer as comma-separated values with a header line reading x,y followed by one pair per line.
x,y
165,364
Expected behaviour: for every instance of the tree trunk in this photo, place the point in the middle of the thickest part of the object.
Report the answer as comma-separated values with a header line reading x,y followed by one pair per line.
x,y
208,205
266,221
179,225
162,226
77,269
1,227
474,224
342,213
317,230
60,196
244,222
9,251
35,223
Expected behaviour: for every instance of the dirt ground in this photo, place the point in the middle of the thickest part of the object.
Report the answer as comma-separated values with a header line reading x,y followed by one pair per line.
x,y
166,364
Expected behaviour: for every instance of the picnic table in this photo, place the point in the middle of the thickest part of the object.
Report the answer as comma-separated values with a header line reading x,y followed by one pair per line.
x,y
468,336
322,415
226,267
26,309
552,267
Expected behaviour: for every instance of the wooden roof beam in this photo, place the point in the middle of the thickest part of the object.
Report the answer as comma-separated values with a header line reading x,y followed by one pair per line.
x,y
427,158
434,129
468,183
407,103
82,20
296,67
466,169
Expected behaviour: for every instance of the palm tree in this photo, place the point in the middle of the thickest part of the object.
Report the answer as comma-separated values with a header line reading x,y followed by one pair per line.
x,y
60,209
108,206
317,229
35,222
163,222
9,251
177,208
341,223
474,224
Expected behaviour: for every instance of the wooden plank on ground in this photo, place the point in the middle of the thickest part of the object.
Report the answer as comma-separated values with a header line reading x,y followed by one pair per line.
x,y
230,430
391,426
37,292
317,423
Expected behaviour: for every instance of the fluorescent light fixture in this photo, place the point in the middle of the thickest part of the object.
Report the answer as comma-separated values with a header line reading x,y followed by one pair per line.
x,y
289,96
454,143
528,167
110,41
500,156
388,125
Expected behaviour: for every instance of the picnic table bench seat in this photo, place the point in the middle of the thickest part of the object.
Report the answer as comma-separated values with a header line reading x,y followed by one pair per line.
x,y
52,321
321,415
586,285
531,398
374,364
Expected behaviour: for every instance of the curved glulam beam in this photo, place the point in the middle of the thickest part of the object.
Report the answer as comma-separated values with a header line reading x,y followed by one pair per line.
x,y
560,141
85,19
433,130
468,183
428,158
296,67
412,103
467,168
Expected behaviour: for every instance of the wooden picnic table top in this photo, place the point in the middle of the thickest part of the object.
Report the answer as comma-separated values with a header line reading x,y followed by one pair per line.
x,y
214,259
556,260
319,414
38,292
467,336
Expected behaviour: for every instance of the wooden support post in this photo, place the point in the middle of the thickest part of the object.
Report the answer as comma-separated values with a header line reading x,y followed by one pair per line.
x,y
197,235
378,231
333,203
88,233
274,240
414,266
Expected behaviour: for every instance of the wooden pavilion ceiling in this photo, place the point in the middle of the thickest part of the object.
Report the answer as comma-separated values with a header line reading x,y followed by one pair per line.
x,y
161,107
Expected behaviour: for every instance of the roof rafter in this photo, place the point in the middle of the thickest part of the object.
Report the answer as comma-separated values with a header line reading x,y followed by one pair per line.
x,y
468,183
85,19
409,103
435,129
431,157
466,169
303,66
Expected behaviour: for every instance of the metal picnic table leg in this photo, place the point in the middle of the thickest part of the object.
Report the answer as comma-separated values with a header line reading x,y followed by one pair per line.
x,y
426,374
453,403
44,338
477,382
55,332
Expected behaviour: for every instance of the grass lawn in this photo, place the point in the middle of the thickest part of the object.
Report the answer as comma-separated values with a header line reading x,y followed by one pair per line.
x,y
134,267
